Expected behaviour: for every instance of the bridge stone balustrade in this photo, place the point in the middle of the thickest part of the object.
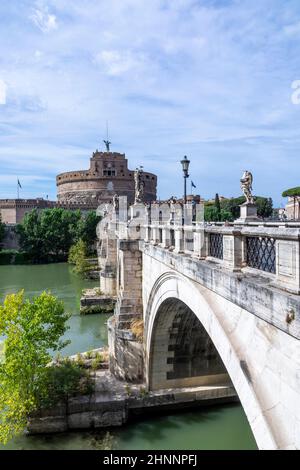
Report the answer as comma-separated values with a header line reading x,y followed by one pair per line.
x,y
195,240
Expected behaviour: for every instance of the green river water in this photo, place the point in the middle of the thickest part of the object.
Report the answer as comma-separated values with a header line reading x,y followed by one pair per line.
x,y
221,427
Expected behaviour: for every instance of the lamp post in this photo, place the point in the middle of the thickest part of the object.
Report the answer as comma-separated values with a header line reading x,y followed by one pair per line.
x,y
185,168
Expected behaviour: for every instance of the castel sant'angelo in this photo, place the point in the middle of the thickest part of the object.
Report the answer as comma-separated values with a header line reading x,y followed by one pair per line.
x,y
108,175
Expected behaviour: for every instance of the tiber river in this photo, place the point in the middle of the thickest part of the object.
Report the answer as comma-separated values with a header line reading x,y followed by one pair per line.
x,y
219,427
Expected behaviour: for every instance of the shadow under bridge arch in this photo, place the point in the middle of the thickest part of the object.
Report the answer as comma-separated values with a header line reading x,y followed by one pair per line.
x,y
182,353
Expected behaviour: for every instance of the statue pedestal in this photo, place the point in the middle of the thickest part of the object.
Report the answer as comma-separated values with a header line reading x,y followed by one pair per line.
x,y
248,213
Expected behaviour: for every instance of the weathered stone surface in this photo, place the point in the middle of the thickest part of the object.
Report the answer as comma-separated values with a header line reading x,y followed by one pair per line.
x,y
109,419
57,410
49,424
81,420
126,355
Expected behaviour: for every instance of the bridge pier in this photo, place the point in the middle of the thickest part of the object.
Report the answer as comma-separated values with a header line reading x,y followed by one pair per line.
x,y
126,351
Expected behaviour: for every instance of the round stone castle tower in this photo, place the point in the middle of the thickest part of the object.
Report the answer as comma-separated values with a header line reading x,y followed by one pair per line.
x,y
108,175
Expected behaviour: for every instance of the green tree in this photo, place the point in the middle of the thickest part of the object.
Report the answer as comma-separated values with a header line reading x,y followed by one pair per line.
x,y
31,329
77,256
294,193
87,229
225,216
264,206
49,234
31,236
211,214
230,208
2,229
218,205
60,229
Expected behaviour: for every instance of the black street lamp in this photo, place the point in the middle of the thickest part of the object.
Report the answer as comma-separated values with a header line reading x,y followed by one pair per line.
x,y
185,168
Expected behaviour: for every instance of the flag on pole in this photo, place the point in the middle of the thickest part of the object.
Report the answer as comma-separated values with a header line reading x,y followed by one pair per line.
x,y
193,185
19,184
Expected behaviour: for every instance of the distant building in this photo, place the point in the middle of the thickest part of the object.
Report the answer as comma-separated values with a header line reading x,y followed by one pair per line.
x,y
292,208
108,175
221,198
13,210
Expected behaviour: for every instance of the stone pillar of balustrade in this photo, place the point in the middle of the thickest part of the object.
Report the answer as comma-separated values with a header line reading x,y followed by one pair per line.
x,y
233,250
287,264
154,234
165,236
148,233
200,243
189,239
179,240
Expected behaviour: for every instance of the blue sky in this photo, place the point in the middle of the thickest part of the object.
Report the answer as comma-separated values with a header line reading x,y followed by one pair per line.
x,y
211,79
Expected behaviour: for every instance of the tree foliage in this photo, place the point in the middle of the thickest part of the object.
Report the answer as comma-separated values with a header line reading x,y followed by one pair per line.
x,y
230,208
48,235
31,329
87,228
77,256
211,214
292,192
2,229
217,203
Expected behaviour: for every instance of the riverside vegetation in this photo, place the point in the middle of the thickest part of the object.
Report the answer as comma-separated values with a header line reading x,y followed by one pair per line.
x,y
78,256
29,380
47,236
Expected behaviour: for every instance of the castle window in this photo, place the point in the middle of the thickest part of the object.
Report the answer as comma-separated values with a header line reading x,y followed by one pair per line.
x,y
109,172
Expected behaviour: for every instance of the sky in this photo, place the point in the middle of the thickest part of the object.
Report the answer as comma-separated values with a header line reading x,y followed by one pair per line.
x,y
215,80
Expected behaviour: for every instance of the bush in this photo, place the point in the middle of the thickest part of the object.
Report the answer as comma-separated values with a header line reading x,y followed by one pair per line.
x,y
97,361
7,256
14,257
64,381
93,309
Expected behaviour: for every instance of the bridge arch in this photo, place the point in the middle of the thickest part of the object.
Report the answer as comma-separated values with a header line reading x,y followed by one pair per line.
x,y
171,298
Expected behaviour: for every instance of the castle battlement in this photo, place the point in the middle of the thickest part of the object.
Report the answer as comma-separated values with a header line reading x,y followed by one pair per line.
x,y
13,210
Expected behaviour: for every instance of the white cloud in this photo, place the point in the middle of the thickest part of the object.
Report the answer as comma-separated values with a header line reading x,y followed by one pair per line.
x,y
3,89
38,54
292,29
44,20
117,63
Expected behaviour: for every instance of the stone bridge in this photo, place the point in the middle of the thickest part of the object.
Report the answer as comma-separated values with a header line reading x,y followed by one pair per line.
x,y
202,305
